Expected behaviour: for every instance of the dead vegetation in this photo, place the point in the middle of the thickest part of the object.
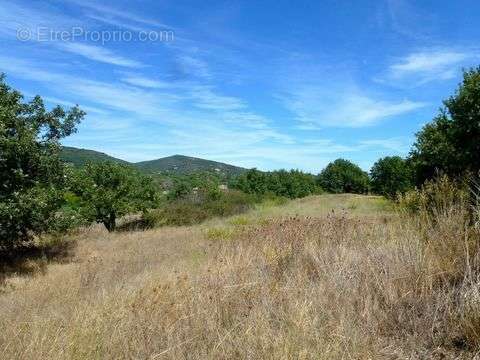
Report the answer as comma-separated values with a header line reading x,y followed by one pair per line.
x,y
354,283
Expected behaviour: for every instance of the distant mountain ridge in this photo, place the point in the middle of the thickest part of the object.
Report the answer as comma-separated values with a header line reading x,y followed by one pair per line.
x,y
176,164
187,164
79,157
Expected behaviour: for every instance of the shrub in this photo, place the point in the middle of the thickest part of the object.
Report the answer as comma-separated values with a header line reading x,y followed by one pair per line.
x,y
343,176
435,197
196,209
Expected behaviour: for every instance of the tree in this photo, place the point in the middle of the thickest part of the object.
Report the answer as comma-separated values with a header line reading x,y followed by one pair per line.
x,y
343,176
110,190
31,172
451,142
252,182
391,175
292,184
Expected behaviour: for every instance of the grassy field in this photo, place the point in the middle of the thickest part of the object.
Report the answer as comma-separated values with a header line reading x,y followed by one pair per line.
x,y
325,277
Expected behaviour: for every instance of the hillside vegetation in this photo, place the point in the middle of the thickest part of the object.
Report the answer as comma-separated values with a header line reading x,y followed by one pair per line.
x,y
81,157
186,164
176,164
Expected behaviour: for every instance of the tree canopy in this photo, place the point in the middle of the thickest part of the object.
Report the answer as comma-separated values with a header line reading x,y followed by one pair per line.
x,y
32,176
343,176
391,175
110,190
451,142
292,184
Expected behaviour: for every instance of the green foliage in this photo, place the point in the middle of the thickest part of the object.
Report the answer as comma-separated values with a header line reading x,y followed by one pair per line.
x,y
202,182
391,175
81,157
436,197
291,184
451,142
198,208
108,191
31,172
179,164
343,176
252,182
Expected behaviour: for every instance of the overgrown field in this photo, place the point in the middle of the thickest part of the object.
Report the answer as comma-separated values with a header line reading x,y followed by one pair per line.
x,y
324,277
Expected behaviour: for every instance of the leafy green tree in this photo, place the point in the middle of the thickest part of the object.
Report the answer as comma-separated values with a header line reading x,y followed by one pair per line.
x,y
252,182
451,142
110,190
391,175
180,189
343,176
31,172
292,184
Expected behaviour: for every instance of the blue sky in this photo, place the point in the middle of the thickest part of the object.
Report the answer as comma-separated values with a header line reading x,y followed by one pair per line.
x,y
267,84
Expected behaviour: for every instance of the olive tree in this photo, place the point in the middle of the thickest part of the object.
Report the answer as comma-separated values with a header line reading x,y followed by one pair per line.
x,y
110,190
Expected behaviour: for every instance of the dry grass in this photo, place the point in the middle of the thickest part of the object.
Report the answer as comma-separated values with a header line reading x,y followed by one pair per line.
x,y
296,281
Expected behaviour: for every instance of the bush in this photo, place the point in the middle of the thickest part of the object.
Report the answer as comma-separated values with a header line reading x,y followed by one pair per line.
x,y
196,209
443,212
343,176
435,198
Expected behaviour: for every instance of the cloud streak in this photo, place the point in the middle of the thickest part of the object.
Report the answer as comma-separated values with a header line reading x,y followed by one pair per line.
x,y
429,65
317,106
100,54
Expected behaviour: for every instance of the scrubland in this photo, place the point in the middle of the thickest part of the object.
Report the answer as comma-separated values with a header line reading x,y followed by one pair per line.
x,y
324,277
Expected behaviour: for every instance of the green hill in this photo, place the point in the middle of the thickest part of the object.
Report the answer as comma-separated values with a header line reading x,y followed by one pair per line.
x,y
180,164
80,157
176,164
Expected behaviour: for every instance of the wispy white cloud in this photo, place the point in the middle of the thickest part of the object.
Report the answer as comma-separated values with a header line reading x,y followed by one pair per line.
x,y
40,22
14,16
145,82
206,98
397,144
100,54
105,19
319,106
419,68
125,15
109,95
88,109
408,20
428,62
193,66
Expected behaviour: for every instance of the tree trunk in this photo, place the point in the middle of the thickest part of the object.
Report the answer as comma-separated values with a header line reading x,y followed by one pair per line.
x,y
110,223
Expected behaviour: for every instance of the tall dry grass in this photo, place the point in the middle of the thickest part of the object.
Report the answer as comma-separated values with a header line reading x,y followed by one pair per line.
x,y
345,284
